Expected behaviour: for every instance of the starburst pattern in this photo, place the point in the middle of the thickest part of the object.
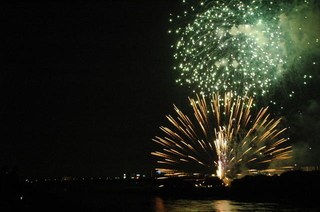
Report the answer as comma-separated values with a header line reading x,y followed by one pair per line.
x,y
251,47
230,46
222,135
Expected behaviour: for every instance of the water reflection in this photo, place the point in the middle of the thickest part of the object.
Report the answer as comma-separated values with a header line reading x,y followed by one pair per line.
x,y
146,203
159,206
178,205
181,205
223,205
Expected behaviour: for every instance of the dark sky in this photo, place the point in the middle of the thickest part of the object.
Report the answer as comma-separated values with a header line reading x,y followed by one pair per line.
x,y
84,86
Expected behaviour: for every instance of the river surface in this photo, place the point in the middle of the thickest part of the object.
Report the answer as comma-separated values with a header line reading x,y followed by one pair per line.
x,y
145,203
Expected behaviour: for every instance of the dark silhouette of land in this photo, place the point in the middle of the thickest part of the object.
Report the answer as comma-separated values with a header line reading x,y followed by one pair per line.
x,y
294,187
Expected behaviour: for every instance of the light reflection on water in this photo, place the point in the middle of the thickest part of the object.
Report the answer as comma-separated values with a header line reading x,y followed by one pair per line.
x,y
223,205
145,203
181,205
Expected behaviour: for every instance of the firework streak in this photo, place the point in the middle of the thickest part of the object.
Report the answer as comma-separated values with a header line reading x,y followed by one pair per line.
x,y
223,135
230,45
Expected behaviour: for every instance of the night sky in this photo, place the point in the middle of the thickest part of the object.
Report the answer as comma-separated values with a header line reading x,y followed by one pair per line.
x,y
85,87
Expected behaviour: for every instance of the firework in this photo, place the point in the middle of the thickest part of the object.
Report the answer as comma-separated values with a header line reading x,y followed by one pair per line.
x,y
236,45
230,46
222,135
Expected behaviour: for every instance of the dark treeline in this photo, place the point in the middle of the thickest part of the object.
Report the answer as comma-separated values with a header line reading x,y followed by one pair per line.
x,y
10,187
294,186
289,186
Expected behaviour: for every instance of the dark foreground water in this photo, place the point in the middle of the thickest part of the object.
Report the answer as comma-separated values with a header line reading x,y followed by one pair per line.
x,y
131,202
222,206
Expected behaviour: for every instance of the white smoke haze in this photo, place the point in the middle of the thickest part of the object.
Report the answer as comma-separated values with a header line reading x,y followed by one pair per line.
x,y
301,26
313,107
255,32
300,23
305,125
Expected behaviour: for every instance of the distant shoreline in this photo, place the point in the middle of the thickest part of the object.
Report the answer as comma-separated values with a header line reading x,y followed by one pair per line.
x,y
291,187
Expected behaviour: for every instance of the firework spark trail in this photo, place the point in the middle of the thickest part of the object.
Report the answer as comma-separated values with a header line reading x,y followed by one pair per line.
x,y
245,46
229,46
222,134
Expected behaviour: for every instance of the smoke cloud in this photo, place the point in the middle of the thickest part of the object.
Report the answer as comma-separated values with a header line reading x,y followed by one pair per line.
x,y
301,25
